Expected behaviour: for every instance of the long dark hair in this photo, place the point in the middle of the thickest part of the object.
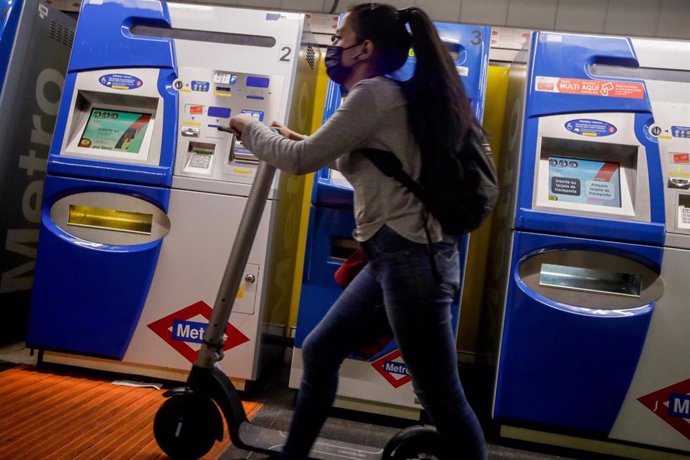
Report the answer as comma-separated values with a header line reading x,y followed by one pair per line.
x,y
438,109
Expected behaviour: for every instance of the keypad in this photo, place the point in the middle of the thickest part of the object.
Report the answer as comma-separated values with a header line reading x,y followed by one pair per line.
x,y
685,216
200,161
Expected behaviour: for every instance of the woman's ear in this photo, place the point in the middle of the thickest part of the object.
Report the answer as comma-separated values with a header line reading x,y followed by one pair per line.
x,y
367,50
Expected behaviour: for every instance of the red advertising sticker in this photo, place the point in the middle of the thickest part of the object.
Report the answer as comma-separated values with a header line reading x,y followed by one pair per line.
x,y
605,88
630,90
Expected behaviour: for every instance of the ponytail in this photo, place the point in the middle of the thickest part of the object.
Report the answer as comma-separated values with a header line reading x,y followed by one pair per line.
x,y
438,108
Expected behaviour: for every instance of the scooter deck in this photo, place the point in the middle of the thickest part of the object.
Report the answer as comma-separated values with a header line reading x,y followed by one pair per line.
x,y
324,449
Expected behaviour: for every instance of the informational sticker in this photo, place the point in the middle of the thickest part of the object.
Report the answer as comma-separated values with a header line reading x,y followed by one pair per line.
x,y
591,128
194,109
225,78
680,131
577,180
120,81
200,86
605,88
258,114
680,158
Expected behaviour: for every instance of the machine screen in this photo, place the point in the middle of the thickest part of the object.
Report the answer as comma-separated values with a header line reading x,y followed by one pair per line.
x,y
582,181
115,130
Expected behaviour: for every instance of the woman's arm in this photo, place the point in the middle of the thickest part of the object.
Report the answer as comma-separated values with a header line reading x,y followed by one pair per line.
x,y
350,128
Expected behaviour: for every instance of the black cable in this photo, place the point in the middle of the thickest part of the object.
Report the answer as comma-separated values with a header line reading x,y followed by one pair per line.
x,y
334,7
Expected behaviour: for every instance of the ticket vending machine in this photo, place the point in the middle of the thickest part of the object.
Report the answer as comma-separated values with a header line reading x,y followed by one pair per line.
x,y
35,42
377,380
594,337
145,194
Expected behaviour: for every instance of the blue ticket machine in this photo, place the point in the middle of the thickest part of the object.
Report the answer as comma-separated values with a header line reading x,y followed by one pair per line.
x,y
583,234
381,378
145,194
35,42
108,185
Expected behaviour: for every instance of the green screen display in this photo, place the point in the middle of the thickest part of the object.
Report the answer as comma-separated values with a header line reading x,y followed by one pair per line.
x,y
115,130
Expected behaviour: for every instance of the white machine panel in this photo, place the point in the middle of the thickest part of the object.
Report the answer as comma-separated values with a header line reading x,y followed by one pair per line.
x,y
190,268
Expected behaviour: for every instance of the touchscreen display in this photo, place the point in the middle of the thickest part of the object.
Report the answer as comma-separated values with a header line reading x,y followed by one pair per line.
x,y
584,181
115,130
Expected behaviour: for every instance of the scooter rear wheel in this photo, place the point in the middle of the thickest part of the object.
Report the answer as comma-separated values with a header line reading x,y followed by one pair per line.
x,y
187,425
414,443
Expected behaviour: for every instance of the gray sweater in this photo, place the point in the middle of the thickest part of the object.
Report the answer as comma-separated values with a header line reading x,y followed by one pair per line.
x,y
372,115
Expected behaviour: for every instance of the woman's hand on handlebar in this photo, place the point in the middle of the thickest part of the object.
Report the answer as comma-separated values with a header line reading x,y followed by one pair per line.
x,y
239,122
287,132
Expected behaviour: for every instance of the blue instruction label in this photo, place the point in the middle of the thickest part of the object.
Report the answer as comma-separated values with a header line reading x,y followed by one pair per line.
x,y
201,86
188,331
680,131
258,114
679,405
592,128
120,81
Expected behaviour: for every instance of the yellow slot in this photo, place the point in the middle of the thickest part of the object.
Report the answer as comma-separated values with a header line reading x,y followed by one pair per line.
x,y
110,219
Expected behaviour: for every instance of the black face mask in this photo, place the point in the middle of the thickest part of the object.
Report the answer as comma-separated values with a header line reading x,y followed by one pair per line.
x,y
334,67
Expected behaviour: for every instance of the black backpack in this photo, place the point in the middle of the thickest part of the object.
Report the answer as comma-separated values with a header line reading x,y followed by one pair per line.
x,y
459,190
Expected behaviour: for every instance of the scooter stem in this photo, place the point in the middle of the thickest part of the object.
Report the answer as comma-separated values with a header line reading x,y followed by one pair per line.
x,y
211,350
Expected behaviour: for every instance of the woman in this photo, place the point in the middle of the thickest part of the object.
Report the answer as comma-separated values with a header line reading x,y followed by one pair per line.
x,y
427,115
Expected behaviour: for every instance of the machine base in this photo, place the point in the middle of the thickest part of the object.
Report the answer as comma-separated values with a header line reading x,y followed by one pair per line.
x,y
588,445
373,407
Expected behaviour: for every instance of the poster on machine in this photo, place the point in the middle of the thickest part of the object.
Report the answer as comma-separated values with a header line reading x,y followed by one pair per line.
x,y
577,180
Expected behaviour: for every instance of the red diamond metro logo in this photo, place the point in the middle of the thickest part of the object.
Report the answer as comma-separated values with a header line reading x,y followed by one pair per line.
x,y
672,405
393,369
163,328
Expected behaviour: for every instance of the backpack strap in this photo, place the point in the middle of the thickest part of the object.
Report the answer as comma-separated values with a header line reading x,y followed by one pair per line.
x,y
391,166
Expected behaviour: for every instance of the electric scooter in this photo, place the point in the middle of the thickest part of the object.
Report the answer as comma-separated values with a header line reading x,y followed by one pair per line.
x,y
188,423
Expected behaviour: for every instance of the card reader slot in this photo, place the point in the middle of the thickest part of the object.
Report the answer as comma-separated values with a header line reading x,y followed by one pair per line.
x,y
242,154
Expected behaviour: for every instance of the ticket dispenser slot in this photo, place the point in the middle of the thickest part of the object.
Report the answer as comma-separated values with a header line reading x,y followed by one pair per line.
x,y
590,280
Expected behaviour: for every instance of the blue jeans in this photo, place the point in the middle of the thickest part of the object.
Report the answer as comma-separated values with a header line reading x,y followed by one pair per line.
x,y
397,285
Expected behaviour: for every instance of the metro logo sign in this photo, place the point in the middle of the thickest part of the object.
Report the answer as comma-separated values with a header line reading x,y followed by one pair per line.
x,y
178,332
393,369
672,405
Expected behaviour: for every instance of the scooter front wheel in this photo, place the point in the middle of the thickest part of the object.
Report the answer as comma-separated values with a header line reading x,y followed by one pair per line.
x,y
187,425
414,443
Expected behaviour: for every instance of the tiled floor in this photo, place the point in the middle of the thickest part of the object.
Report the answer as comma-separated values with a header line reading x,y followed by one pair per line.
x,y
272,390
